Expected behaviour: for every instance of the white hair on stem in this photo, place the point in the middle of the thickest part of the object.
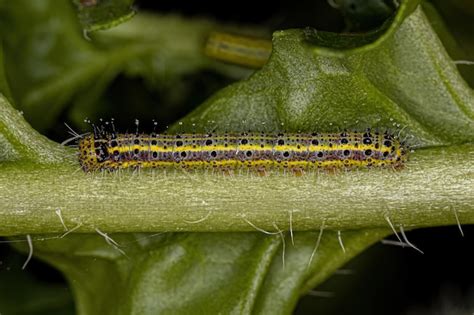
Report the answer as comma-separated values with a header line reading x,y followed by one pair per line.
x,y
30,253
199,220
339,238
58,213
291,228
283,244
457,221
110,241
393,228
71,230
395,243
318,241
402,231
259,229
464,62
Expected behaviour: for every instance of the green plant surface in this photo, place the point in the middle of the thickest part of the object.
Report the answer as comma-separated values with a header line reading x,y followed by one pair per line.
x,y
399,77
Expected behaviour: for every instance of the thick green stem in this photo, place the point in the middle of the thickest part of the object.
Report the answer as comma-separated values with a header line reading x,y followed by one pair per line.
x,y
435,184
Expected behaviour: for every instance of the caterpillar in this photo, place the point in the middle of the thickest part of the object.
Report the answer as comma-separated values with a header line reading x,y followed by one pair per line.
x,y
241,50
258,151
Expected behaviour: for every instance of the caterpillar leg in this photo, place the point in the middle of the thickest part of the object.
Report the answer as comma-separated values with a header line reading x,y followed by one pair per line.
x,y
262,172
297,171
227,172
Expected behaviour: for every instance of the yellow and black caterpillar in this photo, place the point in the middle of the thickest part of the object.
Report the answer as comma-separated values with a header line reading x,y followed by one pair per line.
x,y
295,152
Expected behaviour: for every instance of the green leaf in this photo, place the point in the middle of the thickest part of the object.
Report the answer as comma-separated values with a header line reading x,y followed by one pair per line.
x,y
305,268
102,14
380,85
205,273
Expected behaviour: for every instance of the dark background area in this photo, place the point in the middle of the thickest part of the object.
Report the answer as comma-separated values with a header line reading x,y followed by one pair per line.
x,y
394,280
384,279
